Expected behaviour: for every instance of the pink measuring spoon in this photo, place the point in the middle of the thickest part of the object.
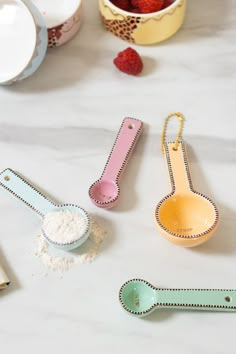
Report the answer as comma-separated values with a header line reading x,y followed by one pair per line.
x,y
105,192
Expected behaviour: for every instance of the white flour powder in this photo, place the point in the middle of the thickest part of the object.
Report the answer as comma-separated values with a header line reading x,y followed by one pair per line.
x,y
64,226
61,261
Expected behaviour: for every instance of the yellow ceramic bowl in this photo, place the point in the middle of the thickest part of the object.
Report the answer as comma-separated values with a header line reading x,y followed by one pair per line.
x,y
143,28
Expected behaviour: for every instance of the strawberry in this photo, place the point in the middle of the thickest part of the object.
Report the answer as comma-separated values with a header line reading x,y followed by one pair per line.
x,y
122,4
134,3
134,7
135,10
148,6
167,3
129,62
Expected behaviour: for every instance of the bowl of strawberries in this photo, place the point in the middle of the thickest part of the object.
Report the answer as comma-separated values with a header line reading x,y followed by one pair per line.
x,y
143,22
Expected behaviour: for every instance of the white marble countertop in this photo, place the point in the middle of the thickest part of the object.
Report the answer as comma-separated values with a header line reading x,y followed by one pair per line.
x,y
57,128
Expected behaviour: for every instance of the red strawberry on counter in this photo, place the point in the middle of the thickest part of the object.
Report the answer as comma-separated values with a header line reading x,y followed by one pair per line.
x,y
129,62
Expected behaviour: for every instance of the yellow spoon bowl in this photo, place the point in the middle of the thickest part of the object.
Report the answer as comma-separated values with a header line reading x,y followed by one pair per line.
x,y
184,217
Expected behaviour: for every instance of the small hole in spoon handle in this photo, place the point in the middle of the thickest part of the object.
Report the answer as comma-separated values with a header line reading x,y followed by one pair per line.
x,y
228,299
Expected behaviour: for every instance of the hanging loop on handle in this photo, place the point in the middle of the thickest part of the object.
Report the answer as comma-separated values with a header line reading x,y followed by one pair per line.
x,y
179,133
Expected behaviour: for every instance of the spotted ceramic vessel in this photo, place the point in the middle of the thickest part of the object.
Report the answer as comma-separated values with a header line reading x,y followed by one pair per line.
x,y
63,19
143,29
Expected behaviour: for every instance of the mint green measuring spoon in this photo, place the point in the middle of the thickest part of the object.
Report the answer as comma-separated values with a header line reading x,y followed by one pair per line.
x,y
140,298
40,204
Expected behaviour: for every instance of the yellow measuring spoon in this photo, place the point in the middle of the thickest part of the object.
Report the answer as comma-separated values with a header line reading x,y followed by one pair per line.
x,y
185,217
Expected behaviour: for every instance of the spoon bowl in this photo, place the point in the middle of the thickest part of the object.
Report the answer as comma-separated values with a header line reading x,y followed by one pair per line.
x,y
104,193
138,297
188,217
67,246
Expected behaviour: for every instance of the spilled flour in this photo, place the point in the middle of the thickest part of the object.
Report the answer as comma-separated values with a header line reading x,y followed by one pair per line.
x,y
57,260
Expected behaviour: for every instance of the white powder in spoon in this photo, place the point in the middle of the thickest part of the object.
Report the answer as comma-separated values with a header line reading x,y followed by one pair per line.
x,y
65,226
61,261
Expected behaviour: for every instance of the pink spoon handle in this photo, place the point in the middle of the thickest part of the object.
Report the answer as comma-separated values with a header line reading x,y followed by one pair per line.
x,y
126,140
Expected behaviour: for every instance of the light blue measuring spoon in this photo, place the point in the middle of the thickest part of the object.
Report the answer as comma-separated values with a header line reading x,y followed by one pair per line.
x,y
39,203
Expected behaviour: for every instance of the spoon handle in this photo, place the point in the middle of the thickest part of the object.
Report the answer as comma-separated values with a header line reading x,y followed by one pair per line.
x,y
198,299
126,140
178,167
28,194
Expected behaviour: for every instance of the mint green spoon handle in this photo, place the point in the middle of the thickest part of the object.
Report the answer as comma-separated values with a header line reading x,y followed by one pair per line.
x,y
200,299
